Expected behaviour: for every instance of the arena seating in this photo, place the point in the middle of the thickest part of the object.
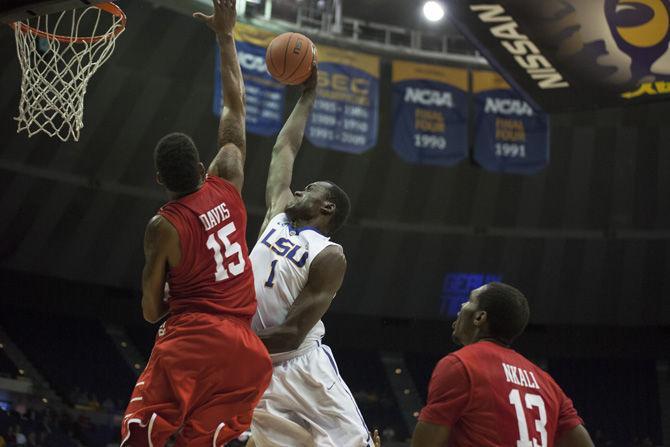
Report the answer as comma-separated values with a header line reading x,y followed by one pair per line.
x,y
420,366
142,336
7,367
60,348
596,385
73,354
364,373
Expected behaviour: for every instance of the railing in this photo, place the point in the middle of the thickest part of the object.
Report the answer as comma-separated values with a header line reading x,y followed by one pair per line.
x,y
329,25
450,45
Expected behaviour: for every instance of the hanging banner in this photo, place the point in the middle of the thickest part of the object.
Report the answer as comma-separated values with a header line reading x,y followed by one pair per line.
x,y
430,110
346,113
569,54
510,135
265,97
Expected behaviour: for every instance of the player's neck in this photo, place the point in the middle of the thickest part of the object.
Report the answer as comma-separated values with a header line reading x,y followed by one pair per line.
x,y
495,340
311,223
178,195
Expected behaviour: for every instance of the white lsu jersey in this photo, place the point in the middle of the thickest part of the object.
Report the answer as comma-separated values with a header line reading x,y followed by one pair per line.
x,y
281,260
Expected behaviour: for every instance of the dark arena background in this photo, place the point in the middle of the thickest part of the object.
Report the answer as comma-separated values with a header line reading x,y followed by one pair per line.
x,y
583,229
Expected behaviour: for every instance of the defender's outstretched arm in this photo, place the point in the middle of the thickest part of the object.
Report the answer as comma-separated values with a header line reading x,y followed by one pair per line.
x,y
278,188
229,162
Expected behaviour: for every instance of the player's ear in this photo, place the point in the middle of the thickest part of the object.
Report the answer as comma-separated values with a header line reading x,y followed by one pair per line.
x,y
159,179
328,208
481,317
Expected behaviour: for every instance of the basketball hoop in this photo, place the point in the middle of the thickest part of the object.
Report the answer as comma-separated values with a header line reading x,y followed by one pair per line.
x,y
59,53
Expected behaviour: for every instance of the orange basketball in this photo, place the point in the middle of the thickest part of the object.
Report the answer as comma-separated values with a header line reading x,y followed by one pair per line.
x,y
290,57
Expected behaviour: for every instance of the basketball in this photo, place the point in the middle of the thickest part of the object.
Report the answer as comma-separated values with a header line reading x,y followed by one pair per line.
x,y
289,58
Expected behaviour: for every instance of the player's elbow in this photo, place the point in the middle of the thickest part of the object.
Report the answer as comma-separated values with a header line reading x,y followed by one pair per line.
x,y
150,316
150,312
235,102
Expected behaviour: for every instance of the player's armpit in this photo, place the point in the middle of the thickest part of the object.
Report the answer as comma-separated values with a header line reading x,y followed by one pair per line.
x,y
576,437
430,435
325,278
161,245
228,164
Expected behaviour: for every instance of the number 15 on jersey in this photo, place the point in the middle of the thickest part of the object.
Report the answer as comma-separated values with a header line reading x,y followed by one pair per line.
x,y
214,242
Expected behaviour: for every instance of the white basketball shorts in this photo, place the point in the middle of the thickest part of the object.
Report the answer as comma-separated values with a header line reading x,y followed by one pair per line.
x,y
308,405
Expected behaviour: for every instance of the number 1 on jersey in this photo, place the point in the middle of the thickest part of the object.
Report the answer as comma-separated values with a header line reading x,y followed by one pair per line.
x,y
271,278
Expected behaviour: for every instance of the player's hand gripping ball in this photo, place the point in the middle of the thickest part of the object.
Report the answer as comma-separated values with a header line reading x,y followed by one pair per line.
x,y
290,58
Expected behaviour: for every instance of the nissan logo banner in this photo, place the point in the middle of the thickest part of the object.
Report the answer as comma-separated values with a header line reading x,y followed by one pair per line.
x,y
574,54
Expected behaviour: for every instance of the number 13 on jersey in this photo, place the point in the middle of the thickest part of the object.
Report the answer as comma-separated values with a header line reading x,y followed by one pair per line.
x,y
214,242
532,400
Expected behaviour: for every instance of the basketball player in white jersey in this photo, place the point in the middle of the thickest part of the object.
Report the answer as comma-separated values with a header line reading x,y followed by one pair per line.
x,y
298,271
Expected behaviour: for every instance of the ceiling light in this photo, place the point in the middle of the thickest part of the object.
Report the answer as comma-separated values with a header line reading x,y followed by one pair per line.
x,y
433,11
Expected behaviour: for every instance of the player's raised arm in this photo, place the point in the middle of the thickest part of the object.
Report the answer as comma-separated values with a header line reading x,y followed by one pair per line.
x,y
229,162
325,278
278,188
160,241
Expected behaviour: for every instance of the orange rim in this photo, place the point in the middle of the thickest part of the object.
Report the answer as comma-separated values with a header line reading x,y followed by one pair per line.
x,y
107,7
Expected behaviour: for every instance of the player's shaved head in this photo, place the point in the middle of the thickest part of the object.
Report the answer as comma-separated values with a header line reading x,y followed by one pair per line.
x,y
506,308
178,163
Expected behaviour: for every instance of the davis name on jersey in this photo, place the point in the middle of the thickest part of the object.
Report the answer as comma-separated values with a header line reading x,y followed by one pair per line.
x,y
281,260
215,216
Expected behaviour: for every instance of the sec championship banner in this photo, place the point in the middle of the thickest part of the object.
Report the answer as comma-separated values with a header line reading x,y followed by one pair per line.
x,y
265,96
567,54
510,136
430,109
346,112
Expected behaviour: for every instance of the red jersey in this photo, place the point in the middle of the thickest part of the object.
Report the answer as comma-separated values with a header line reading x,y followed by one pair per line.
x,y
491,396
214,275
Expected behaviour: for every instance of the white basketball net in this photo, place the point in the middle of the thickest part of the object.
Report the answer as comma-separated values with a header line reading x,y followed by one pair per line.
x,y
56,71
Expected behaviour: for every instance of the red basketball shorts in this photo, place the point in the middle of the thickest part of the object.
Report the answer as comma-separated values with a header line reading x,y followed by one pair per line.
x,y
204,378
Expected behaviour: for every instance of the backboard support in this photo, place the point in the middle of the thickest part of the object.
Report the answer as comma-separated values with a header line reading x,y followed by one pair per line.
x,y
13,10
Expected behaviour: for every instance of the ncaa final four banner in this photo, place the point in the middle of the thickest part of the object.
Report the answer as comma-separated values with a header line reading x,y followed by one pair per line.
x,y
510,136
568,54
265,97
346,112
430,113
